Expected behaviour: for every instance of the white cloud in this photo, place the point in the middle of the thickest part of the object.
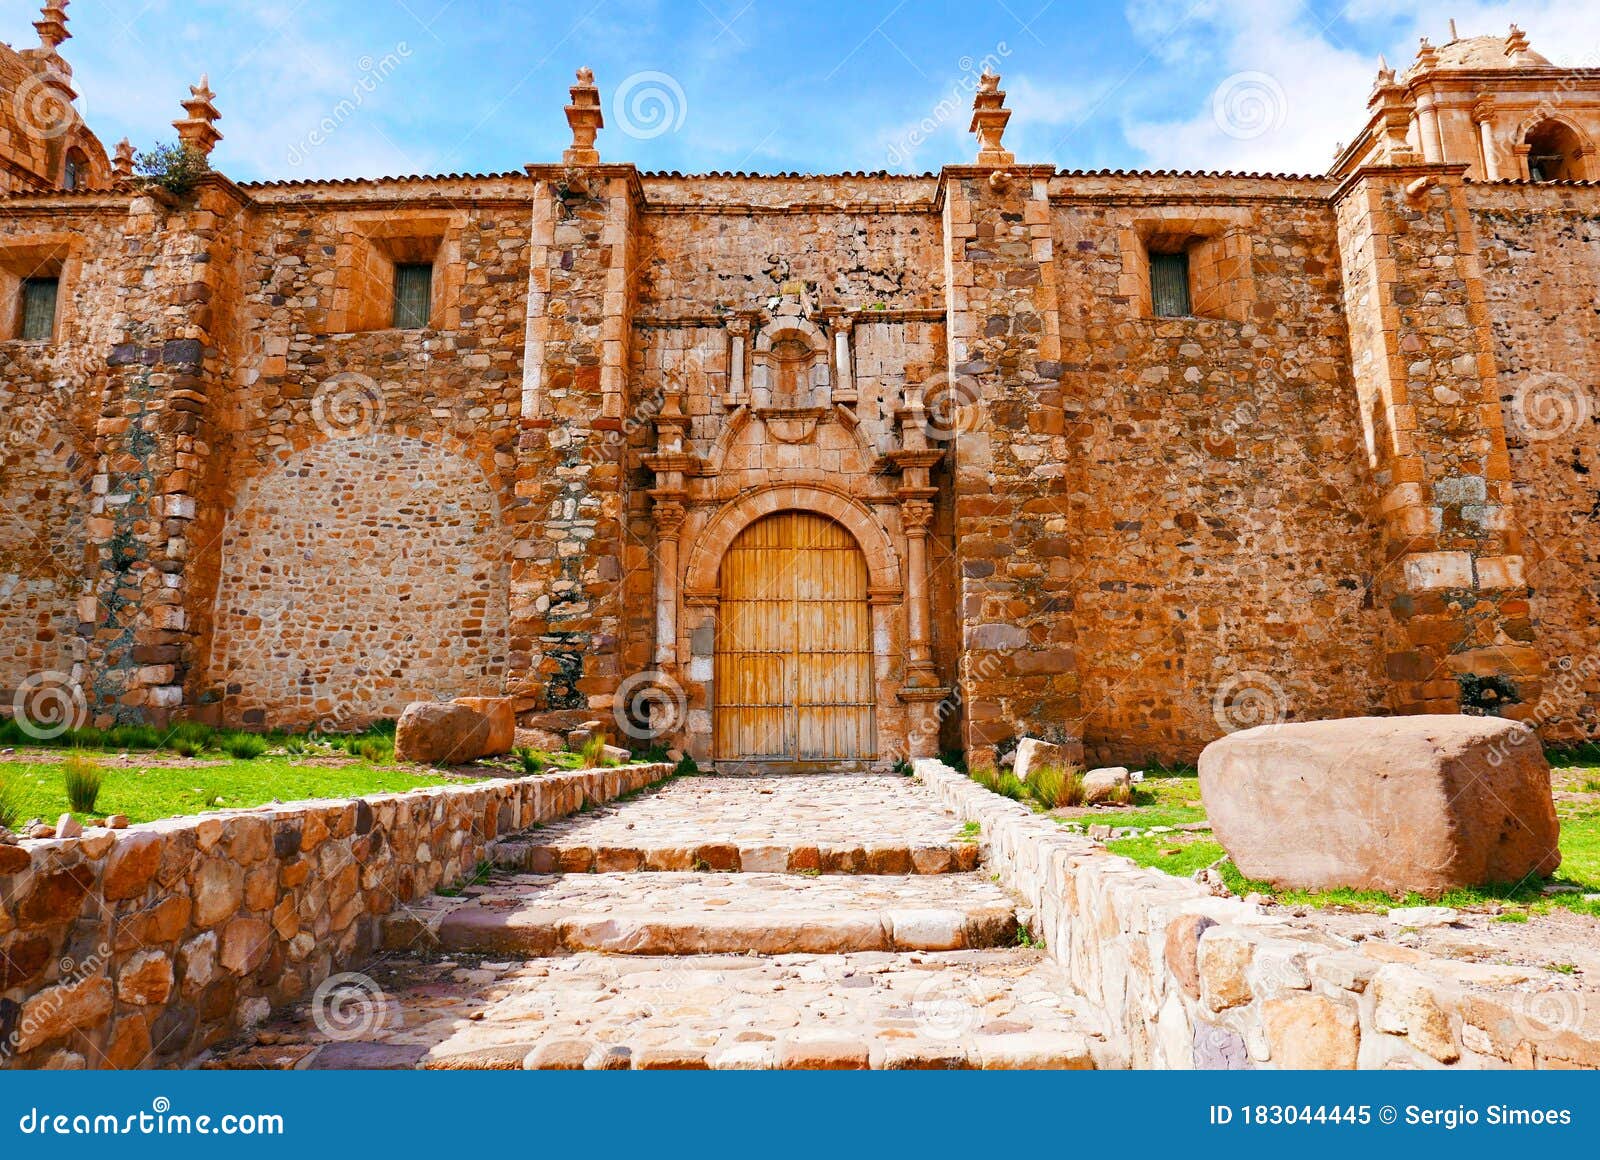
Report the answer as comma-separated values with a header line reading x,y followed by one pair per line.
x,y
1304,76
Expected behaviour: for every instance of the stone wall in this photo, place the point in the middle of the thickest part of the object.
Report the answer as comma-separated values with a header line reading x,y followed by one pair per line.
x,y
1141,531
362,575
1540,249
143,947
1187,980
1214,523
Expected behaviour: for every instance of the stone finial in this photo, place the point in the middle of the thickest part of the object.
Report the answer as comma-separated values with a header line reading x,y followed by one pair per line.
x,y
198,130
122,163
52,25
1427,55
1516,42
1389,101
586,119
989,117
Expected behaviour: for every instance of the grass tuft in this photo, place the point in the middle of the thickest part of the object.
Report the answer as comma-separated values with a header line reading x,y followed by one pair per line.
x,y
530,760
244,746
83,778
589,755
10,808
1056,786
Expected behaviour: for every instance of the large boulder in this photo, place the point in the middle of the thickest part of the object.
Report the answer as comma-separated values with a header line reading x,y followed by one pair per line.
x,y
440,731
501,714
1423,804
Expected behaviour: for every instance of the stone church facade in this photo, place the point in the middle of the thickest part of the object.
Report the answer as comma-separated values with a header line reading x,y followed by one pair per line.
x,y
813,469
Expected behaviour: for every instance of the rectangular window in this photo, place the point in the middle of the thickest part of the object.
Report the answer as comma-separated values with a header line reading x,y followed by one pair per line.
x,y
413,296
1169,286
38,309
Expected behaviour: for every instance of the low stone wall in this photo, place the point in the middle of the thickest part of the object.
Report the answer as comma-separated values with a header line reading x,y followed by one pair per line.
x,y
1190,980
144,946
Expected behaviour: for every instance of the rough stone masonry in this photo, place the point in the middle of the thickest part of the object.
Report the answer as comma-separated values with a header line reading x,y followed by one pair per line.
x,y
1350,475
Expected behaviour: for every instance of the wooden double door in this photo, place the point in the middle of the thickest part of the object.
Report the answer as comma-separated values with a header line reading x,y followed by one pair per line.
x,y
794,671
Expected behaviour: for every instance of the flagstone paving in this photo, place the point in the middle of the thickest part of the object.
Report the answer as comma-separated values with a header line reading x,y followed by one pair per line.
x,y
831,823
767,961
962,1009
652,913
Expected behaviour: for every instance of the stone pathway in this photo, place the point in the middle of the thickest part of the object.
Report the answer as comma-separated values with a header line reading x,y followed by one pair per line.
x,y
885,964
830,823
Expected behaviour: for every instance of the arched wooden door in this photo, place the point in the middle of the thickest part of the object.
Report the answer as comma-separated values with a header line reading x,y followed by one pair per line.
x,y
794,645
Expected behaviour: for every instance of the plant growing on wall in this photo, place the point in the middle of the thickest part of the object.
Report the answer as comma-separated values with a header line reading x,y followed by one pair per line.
x,y
176,168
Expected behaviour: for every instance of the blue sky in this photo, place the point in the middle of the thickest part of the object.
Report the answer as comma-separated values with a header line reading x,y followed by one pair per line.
x,y
340,88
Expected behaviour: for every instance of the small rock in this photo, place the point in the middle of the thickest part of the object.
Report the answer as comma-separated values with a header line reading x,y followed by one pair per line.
x,y
1255,898
67,827
1136,776
7,838
40,830
1561,888
1212,881
1105,785
1423,916
117,822
1099,833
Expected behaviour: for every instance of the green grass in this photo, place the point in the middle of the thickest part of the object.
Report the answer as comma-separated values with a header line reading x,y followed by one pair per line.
x,y
1171,799
1172,854
82,779
145,794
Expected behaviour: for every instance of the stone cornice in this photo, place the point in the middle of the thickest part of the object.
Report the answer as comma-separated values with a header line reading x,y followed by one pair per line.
x,y
1398,173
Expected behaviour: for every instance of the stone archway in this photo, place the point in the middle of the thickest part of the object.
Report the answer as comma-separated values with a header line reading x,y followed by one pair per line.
x,y
362,574
700,583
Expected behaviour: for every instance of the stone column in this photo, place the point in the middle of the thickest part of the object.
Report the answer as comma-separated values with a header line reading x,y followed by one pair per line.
x,y
1483,120
738,334
1018,661
844,383
156,548
566,592
1450,574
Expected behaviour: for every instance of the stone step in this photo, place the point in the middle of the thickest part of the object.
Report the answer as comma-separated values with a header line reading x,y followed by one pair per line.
x,y
546,854
794,824
650,913
964,1009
